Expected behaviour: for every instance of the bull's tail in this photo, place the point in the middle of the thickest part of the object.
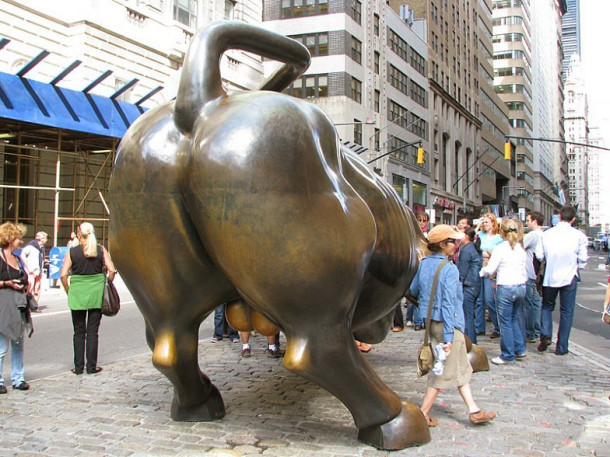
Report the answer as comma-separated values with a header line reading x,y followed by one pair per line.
x,y
200,80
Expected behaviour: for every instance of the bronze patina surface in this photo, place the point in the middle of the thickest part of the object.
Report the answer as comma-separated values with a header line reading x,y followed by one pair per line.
x,y
248,198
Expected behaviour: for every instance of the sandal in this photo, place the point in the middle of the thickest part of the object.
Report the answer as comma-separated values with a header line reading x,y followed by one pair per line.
x,y
432,421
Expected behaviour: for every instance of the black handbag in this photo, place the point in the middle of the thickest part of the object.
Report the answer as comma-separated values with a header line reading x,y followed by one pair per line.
x,y
32,302
425,355
111,303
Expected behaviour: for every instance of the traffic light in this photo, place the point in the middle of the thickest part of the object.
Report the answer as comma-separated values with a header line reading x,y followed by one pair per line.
x,y
420,155
507,151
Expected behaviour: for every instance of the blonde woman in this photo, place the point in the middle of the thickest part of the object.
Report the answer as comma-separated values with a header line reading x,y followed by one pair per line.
x,y
508,262
487,232
85,291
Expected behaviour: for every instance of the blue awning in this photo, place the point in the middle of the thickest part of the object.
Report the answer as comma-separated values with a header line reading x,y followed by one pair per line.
x,y
23,99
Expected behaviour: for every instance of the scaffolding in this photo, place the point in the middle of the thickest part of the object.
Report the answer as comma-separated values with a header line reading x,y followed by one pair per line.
x,y
52,179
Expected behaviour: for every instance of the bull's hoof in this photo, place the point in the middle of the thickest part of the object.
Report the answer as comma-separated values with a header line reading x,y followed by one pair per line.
x,y
409,428
212,409
478,359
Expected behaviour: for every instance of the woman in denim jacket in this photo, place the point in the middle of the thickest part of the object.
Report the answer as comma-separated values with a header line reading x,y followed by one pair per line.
x,y
447,322
469,264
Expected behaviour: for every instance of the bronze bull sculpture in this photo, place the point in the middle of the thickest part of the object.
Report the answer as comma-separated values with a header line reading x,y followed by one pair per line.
x,y
249,197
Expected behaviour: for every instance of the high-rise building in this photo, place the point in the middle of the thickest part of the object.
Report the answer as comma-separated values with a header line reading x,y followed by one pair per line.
x,y
598,183
368,73
570,31
527,70
468,121
512,53
576,119
550,171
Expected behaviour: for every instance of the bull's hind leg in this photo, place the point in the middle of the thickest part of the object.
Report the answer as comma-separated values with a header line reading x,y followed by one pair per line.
x,y
175,286
175,355
383,420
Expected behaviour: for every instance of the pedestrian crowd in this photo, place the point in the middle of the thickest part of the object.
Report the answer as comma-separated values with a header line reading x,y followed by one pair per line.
x,y
503,276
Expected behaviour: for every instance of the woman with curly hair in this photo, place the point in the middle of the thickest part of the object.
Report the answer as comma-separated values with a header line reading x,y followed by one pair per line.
x,y
85,292
13,303
487,232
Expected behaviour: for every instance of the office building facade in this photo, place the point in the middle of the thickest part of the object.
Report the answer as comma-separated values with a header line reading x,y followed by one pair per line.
x,y
468,170
368,73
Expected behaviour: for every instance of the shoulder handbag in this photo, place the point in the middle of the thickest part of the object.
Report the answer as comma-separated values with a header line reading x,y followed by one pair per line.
x,y
425,355
111,303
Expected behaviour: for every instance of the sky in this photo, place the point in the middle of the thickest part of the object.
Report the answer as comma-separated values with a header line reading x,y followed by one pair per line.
x,y
595,47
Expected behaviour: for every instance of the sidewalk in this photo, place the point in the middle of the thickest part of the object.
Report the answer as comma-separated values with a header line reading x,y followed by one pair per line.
x,y
547,406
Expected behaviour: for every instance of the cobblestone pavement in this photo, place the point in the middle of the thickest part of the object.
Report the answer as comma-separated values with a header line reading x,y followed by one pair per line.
x,y
547,405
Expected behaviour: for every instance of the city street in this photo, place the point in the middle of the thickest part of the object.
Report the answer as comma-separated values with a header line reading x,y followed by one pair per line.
x,y
49,351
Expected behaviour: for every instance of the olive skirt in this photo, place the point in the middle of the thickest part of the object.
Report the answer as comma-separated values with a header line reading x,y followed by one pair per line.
x,y
457,370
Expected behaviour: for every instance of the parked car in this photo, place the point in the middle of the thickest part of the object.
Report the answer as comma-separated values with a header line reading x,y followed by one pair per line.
x,y
590,241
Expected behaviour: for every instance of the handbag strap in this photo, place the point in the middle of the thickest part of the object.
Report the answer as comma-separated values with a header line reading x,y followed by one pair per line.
x,y
431,303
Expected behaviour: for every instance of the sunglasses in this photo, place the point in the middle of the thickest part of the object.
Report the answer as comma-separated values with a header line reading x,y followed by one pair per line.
x,y
422,220
450,240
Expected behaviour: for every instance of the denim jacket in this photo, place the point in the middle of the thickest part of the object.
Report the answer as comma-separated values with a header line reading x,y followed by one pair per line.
x,y
447,306
469,264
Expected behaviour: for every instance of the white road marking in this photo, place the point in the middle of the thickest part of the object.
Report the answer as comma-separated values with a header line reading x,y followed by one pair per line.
x,y
589,309
55,313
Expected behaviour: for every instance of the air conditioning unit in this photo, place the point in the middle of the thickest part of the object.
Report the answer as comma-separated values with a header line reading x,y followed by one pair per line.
x,y
406,14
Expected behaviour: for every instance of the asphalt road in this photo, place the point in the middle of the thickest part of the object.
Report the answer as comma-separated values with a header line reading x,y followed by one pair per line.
x,y
49,351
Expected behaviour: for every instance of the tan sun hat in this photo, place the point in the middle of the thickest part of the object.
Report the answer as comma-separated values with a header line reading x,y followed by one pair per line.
x,y
442,232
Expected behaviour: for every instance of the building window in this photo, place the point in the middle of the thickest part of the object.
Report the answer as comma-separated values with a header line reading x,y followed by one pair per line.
x,y
419,63
356,11
377,101
417,125
401,186
376,63
377,140
418,94
398,79
185,12
310,86
356,50
300,8
356,90
376,24
398,45
397,114
357,131
419,194
229,10
316,43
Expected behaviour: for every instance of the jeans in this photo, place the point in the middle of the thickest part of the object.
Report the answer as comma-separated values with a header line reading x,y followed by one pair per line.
x,y
220,324
510,301
471,293
17,369
86,324
567,298
486,296
531,310
410,311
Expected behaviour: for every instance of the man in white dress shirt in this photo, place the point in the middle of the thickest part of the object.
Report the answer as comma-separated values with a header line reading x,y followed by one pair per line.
x,y
565,250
